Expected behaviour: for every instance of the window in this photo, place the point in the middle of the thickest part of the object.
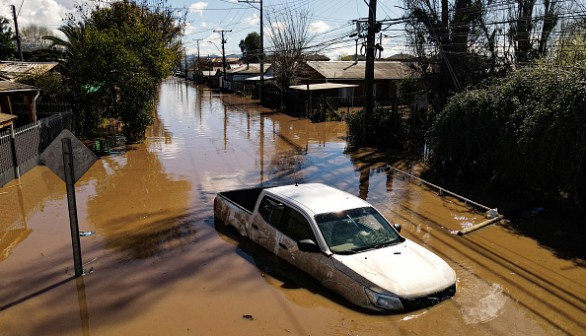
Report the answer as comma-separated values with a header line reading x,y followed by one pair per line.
x,y
355,230
272,211
298,228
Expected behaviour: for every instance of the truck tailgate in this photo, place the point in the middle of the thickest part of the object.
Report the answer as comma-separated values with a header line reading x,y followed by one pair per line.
x,y
235,208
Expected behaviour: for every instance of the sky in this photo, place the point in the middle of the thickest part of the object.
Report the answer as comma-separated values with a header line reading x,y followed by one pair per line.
x,y
330,22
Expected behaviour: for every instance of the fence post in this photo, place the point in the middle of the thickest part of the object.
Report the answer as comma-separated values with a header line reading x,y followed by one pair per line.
x,y
13,148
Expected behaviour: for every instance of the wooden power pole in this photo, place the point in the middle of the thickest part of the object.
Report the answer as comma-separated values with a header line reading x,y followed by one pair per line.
x,y
262,52
16,32
369,73
223,50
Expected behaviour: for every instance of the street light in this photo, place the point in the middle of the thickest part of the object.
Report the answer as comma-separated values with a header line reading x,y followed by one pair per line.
x,y
215,45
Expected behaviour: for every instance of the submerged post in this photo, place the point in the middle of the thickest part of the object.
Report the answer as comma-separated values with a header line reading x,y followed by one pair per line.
x,y
71,204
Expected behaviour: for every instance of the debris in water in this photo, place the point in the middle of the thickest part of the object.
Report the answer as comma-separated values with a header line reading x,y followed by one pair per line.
x,y
492,213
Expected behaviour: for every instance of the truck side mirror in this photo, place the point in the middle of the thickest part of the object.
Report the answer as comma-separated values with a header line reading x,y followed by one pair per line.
x,y
398,227
307,245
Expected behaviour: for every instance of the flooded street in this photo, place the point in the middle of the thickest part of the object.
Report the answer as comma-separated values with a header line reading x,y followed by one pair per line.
x,y
160,266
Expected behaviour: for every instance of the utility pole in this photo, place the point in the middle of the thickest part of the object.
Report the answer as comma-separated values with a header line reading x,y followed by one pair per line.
x,y
380,43
369,72
223,50
17,34
198,69
262,52
185,65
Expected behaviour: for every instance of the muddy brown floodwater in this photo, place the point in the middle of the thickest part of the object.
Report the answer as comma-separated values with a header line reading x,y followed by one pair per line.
x,y
161,267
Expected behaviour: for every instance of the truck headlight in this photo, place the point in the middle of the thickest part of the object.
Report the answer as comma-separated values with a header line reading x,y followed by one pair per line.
x,y
384,301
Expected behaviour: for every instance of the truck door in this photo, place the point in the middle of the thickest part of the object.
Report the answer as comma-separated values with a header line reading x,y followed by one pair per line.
x,y
296,228
267,223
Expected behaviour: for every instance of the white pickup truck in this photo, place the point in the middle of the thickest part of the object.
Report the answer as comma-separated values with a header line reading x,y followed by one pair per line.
x,y
342,241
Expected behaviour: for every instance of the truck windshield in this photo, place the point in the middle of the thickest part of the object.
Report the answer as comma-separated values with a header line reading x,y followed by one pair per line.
x,y
356,230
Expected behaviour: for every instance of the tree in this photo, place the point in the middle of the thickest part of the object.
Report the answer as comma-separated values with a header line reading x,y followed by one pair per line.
x,y
250,48
34,36
116,58
442,34
6,46
289,34
527,20
462,42
572,44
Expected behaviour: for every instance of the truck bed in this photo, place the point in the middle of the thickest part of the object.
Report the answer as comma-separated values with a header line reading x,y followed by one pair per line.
x,y
245,198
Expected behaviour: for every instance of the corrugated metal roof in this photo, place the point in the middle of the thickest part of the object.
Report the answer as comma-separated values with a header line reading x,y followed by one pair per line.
x,y
322,86
8,87
349,70
257,78
14,70
6,119
252,68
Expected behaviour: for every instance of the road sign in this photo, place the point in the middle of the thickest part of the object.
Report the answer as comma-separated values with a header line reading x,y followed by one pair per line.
x,y
69,158
83,157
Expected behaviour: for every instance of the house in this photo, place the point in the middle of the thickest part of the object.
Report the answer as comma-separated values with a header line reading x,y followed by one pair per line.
x,y
313,100
243,78
387,74
212,77
13,71
10,89
402,58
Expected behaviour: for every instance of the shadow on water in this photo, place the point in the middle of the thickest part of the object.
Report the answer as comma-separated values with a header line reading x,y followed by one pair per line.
x,y
559,231
153,238
289,276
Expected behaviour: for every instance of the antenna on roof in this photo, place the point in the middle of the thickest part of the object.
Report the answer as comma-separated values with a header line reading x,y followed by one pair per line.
x,y
295,172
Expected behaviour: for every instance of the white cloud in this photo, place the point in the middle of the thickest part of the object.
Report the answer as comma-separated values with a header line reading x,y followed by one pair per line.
x,y
189,28
198,7
274,28
253,20
318,27
44,13
203,25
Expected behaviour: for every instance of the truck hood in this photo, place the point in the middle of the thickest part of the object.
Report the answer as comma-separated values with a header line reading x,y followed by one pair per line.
x,y
406,269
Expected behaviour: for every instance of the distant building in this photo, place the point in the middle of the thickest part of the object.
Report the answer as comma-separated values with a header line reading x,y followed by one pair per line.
x,y
386,77
242,78
401,58
10,73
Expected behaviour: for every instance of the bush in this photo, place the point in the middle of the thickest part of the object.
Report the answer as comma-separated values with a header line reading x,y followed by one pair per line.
x,y
387,128
528,130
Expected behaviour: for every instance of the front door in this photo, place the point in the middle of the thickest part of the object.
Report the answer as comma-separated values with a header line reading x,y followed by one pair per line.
x,y
296,228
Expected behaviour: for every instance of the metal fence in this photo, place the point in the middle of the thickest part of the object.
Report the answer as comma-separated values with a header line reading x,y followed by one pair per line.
x,y
42,107
21,154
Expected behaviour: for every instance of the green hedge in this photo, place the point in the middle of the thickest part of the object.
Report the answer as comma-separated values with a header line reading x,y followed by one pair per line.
x,y
387,130
527,130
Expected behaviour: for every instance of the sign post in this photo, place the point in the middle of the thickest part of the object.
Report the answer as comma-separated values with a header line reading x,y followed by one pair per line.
x,y
69,158
71,204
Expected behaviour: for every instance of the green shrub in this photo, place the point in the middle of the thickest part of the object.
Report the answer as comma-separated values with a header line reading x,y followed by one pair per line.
x,y
528,130
386,130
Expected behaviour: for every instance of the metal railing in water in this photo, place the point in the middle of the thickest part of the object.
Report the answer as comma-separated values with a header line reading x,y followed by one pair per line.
x,y
492,214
